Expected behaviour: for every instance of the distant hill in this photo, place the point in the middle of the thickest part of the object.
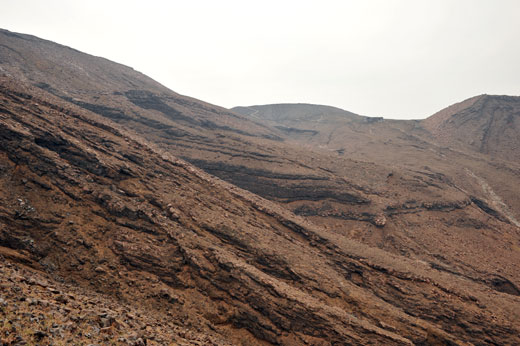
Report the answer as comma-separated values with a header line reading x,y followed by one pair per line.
x,y
487,124
295,112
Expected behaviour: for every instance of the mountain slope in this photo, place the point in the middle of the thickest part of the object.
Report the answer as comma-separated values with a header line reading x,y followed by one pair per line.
x,y
123,95
409,151
247,270
487,124
97,207
374,180
212,137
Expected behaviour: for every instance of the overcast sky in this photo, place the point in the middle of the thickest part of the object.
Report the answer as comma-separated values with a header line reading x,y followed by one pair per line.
x,y
397,59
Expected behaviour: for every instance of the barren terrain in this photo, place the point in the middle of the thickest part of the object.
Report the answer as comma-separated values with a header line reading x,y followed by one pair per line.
x,y
291,224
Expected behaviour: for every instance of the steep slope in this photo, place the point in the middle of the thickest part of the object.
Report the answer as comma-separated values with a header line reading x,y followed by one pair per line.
x,y
124,95
404,147
99,209
385,183
38,310
486,124
214,138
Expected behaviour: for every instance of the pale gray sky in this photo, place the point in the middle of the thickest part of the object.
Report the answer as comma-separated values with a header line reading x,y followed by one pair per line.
x,y
391,58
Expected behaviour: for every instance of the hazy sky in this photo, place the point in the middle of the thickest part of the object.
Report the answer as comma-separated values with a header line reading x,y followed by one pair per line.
x,y
397,59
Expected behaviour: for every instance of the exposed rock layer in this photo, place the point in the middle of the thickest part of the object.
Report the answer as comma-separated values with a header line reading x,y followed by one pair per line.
x,y
95,205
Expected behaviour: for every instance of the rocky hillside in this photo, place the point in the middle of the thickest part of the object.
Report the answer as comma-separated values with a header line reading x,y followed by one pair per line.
x,y
486,124
35,309
420,171
405,247
368,179
93,207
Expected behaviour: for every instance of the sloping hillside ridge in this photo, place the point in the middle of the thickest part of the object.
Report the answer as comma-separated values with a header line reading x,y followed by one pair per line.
x,y
381,182
96,207
488,124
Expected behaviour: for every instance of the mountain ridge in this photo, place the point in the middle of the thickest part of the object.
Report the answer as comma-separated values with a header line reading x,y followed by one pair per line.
x,y
340,179
153,238
394,246
487,124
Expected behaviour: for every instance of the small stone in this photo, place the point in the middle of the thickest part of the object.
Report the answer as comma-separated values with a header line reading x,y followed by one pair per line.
x,y
386,326
173,213
39,334
139,342
62,299
380,221
33,282
107,330
100,270
132,336
106,321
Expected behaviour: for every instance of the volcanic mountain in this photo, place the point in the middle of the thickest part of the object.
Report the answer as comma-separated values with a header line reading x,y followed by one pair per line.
x,y
98,201
486,124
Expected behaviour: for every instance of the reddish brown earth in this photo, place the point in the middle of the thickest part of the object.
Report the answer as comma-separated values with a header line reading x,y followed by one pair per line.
x,y
95,201
443,205
486,124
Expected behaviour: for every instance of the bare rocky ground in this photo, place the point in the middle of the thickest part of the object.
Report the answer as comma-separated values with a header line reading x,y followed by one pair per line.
x,y
425,203
395,185
405,247
37,310
101,209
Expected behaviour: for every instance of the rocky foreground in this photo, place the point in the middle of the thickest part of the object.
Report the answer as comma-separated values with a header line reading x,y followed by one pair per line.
x,y
36,310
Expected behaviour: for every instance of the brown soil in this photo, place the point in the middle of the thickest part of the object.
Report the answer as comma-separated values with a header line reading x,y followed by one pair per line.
x,y
398,239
